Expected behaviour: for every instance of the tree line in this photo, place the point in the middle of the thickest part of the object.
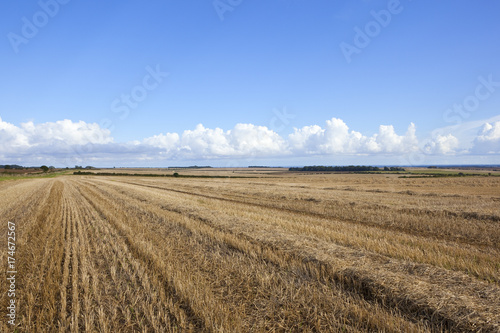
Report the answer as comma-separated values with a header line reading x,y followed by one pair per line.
x,y
349,168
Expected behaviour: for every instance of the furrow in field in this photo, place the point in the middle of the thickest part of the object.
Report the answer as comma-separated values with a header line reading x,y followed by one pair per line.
x,y
476,261
18,190
74,274
65,288
426,207
39,258
135,298
46,264
75,304
20,203
148,266
231,248
394,279
140,255
470,228
391,187
90,283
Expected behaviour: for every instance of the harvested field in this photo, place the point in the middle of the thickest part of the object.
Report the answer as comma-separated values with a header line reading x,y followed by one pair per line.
x,y
292,253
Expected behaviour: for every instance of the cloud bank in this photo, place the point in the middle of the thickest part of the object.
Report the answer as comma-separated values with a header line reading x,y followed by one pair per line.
x,y
336,138
53,138
242,141
67,142
488,139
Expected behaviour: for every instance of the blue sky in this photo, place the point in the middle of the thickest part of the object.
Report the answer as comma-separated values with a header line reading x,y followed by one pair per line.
x,y
311,81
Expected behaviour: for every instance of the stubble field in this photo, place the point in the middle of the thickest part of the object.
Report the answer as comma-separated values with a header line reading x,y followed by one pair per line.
x,y
289,253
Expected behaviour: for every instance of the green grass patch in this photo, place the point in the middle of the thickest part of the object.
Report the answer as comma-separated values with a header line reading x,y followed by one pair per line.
x,y
175,175
11,176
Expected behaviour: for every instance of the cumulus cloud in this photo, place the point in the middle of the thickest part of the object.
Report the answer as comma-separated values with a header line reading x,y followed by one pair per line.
x,y
202,142
50,136
488,139
248,139
443,145
166,141
66,142
336,138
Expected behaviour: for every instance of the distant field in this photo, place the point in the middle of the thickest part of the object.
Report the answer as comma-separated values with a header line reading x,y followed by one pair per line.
x,y
246,172
19,172
29,174
287,252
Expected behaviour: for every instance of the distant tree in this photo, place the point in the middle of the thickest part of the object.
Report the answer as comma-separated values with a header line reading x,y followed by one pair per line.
x,y
44,168
176,174
7,167
349,168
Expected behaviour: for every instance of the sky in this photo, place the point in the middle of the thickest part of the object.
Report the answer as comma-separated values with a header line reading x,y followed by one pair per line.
x,y
239,82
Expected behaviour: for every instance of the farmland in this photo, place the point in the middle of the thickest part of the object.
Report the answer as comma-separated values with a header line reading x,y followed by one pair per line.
x,y
278,252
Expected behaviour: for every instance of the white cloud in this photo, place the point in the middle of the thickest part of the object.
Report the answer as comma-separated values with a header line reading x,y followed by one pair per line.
x,y
242,140
466,132
336,138
11,137
488,139
248,139
390,142
51,136
167,141
71,133
67,143
204,142
307,139
442,145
